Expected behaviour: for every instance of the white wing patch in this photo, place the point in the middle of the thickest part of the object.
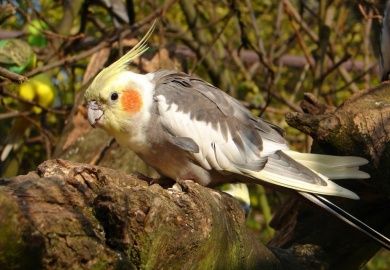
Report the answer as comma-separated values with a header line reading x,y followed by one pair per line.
x,y
222,154
270,147
215,152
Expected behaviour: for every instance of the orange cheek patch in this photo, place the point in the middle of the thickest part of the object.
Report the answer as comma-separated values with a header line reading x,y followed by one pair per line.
x,y
131,101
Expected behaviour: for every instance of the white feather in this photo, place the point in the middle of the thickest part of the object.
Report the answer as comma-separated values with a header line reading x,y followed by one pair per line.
x,y
208,138
220,153
270,147
333,167
294,183
328,160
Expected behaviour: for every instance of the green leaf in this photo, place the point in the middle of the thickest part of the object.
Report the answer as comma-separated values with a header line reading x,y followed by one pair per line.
x,y
36,36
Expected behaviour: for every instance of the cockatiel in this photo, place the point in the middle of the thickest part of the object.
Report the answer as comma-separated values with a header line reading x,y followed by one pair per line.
x,y
187,129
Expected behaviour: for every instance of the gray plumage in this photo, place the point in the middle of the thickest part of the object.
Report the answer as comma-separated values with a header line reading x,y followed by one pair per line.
x,y
281,162
206,103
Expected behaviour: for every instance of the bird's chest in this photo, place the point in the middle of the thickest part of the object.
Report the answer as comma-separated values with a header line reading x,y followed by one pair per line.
x,y
135,139
153,147
175,164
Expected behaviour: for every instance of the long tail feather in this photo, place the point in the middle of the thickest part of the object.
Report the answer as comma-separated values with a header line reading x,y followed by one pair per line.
x,y
332,161
348,218
333,167
283,170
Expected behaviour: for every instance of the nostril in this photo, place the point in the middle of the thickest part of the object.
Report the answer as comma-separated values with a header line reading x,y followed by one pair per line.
x,y
93,105
94,113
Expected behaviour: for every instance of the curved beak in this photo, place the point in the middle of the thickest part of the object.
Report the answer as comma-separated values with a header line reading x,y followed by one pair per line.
x,y
95,112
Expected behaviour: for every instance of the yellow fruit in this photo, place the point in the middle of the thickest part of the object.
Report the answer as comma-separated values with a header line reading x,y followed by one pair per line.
x,y
39,89
26,91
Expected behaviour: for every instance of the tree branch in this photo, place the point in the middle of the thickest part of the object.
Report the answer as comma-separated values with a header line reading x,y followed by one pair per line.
x,y
80,216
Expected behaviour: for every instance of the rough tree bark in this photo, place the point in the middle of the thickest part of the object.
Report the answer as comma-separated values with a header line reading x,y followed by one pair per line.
x,y
68,215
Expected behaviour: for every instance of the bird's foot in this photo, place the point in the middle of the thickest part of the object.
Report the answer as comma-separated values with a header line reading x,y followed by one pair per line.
x,y
175,188
180,185
143,177
162,181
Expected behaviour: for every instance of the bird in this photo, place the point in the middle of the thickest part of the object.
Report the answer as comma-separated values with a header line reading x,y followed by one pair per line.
x,y
188,129
385,44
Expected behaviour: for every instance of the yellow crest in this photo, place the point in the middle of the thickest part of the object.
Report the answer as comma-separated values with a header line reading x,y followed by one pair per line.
x,y
122,63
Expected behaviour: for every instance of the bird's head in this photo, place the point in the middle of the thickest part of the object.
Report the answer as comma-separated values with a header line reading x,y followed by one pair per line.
x,y
116,94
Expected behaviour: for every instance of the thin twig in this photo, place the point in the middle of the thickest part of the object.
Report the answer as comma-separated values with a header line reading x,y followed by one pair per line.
x,y
14,114
46,134
105,43
295,15
5,92
212,43
357,78
12,75
303,46
367,45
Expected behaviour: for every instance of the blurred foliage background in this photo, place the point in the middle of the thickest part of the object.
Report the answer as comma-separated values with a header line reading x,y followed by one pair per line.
x,y
266,53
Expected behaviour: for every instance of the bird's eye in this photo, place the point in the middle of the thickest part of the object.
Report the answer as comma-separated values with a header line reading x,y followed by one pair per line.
x,y
114,96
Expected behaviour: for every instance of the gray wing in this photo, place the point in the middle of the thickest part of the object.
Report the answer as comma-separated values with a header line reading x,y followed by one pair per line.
x,y
229,137
190,107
